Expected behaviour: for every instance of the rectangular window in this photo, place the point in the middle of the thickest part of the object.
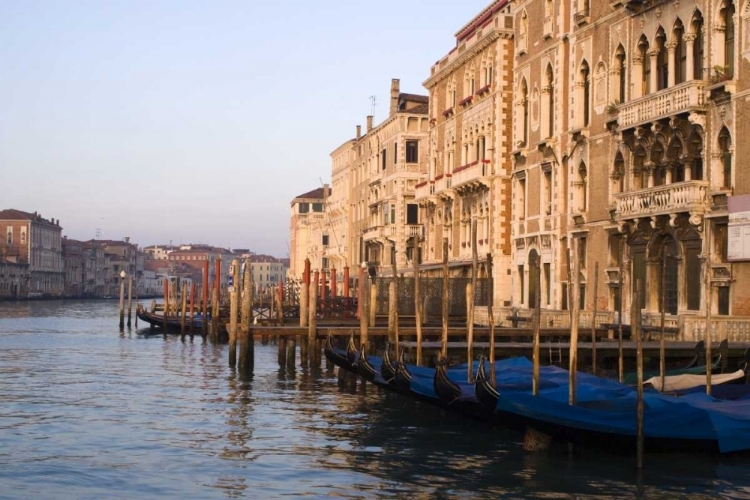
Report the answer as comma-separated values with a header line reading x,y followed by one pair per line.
x,y
23,236
693,267
520,281
393,214
547,281
615,250
383,158
325,240
325,262
639,273
582,251
10,236
395,153
412,151
317,207
720,241
723,298
304,208
412,213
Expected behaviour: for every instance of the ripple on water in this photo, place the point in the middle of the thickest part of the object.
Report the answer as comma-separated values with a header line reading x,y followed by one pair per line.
x,y
87,412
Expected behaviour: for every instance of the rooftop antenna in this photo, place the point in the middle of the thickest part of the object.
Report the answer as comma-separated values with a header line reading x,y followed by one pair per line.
x,y
372,107
98,233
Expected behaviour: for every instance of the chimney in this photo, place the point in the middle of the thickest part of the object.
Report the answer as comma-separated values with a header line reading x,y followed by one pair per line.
x,y
359,131
369,122
395,91
127,239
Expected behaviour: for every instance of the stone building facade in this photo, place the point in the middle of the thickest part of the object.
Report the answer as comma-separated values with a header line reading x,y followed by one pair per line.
x,y
467,186
307,228
73,264
28,238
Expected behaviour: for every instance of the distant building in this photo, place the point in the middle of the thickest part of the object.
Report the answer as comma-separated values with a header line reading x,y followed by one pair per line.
x,y
73,264
308,231
14,280
158,252
27,238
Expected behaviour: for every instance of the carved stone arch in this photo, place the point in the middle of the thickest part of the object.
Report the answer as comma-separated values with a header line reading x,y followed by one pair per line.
x,y
657,239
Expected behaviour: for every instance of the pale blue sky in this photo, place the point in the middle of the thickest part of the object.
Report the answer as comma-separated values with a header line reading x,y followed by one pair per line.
x,y
197,121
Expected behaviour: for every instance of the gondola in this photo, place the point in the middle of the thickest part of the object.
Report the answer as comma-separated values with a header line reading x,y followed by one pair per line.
x,y
447,390
387,368
484,390
364,367
697,366
403,377
338,358
174,323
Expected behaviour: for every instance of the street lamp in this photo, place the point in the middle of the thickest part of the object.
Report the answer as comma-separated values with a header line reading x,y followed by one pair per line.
x,y
122,299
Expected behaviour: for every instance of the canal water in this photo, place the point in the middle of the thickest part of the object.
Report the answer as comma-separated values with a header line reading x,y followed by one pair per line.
x,y
89,412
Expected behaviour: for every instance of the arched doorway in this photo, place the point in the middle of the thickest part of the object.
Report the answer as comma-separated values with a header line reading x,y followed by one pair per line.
x,y
666,253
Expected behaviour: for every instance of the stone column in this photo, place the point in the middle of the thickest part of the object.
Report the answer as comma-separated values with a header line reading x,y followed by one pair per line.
x,y
653,56
637,74
671,76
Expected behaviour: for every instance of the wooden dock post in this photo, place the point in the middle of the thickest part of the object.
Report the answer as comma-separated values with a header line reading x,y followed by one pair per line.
x,y
216,306
346,282
537,325
322,293
393,301
593,319
183,307
234,297
165,311
312,323
373,305
662,353
574,297
136,304
130,298
364,316
204,303
621,360
470,302
192,306
122,301
247,345
280,308
709,312
360,288
304,299
417,301
444,297
491,319
635,328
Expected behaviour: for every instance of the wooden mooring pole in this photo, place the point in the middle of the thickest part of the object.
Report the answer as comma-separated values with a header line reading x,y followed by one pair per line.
x,y
183,306
491,319
537,323
204,302
192,305
122,303
304,315
247,345
593,319
635,328
621,358
470,303
165,311
444,297
234,297
393,301
312,323
573,294
130,298
417,300
709,312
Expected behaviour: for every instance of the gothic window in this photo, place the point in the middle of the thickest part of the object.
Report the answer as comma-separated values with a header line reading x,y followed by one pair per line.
x,y
621,73
680,54
695,153
551,103
586,81
697,30
725,147
640,179
582,191
657,153
727,17
618,173
646,73
525,112
662,61
9,239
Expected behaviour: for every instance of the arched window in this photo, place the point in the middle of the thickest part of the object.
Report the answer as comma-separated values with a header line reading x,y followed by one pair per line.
x,y
586,82
727,17
697,29
657,153
662,61
618,173
640,180
695,152
621,73
551,97
582,174
725,146
646,73
674,152
680,53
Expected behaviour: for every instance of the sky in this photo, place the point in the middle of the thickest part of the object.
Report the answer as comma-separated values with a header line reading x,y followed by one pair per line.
x,y
197,121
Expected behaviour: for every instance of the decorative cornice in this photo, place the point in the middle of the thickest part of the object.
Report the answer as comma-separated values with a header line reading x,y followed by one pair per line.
x,y
460,60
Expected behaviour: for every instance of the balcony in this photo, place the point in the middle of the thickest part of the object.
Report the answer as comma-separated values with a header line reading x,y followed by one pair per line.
x,y
690,196
372,233
422,190
473,171
414,230
681,98
443,183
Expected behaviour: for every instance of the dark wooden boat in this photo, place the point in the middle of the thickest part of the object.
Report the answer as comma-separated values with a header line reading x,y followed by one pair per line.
x,y
483,388
352,355
387,368
402,378
448,391
364,368
336,356
173,323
